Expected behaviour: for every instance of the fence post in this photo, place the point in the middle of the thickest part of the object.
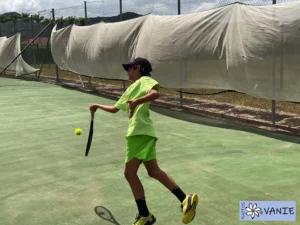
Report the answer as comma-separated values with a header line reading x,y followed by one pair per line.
x,y
181,96
273,85
56,67
273,111
85,13
33,46
124,86
85,23
273,101
180,92
121,10
121,18
90,83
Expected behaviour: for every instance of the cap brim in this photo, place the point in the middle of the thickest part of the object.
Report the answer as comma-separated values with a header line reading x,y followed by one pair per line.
x,y
126,66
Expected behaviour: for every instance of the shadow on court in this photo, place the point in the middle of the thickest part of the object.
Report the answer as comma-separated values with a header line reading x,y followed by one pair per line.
x,y
222,124
105,214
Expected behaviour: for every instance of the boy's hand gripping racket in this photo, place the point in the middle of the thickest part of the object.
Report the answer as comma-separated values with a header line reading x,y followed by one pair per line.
x,y
89,142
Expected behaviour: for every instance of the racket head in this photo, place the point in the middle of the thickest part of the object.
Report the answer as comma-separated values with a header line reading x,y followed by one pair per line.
x,y
105,214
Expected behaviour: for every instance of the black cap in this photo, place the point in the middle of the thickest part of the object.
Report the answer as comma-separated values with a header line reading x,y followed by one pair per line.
x,y
144,64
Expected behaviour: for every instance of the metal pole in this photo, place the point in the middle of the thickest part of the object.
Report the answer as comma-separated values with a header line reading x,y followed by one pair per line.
x,y
41,67
121,10
85,22
81,81
274,83
56,67
33,47
124,86
179,12
281,59
90,83
273,111
85,13
181,96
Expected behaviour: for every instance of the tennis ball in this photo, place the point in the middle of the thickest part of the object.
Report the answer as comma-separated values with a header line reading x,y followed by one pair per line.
x,y
78,131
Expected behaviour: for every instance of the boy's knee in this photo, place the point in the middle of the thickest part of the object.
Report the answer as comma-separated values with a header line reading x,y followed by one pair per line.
x,y
129,175
126,174
154,173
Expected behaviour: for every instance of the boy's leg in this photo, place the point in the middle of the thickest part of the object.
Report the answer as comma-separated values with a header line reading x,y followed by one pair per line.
x,y
189,202
131,176
155,172
137,189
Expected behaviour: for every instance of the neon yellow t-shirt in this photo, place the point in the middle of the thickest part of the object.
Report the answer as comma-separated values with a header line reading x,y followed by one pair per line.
x,y
140,123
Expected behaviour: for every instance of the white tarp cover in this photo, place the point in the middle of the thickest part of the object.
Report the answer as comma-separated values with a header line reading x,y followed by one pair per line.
x,y
9,49
251,49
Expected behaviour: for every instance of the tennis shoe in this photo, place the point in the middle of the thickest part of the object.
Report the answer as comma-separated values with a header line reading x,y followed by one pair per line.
x,y
140,220
188,208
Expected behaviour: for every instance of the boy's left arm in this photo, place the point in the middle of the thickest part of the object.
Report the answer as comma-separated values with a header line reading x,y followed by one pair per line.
x,y
151,96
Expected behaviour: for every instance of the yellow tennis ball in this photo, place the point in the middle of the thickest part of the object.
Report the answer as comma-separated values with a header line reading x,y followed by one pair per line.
x,y
78,131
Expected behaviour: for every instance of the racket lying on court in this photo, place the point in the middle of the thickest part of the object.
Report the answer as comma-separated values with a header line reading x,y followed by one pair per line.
x,y
89,142
105,214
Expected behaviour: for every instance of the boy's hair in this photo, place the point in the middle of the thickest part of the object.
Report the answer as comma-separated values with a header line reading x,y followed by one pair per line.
x,y
143,73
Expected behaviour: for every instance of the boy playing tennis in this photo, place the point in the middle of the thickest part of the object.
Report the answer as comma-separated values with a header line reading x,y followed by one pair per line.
x,y
141,141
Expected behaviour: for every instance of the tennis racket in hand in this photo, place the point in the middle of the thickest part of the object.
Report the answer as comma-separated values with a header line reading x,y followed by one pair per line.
x,y
89,142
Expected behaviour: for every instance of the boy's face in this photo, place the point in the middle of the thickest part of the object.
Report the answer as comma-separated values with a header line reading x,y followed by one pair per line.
x,y
134,73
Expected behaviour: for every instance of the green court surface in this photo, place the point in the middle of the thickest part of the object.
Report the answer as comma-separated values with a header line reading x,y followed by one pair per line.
x,y
45,179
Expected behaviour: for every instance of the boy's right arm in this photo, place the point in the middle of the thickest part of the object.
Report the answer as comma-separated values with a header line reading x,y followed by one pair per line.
x,y
120,104
107,108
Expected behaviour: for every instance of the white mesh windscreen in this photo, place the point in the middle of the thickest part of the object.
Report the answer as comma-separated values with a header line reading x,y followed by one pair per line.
x,y
251,49
9,49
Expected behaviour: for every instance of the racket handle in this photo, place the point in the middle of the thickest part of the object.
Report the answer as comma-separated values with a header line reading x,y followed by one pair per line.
x,y
92,115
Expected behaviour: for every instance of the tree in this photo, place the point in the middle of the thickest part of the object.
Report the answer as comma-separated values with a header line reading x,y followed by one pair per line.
x,y
70,20
60,22
104,20
80,21
2,20
26,17
38,19
46,21
14,18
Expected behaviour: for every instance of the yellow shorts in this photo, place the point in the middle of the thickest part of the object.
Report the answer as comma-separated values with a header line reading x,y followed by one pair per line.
x,y
142,147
